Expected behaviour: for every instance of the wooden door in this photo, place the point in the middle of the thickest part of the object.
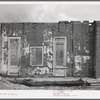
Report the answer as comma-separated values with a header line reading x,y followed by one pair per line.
x,y
14,55
59,56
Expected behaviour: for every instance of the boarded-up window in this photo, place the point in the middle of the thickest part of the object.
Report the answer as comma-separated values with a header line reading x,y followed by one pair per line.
x,y
36,56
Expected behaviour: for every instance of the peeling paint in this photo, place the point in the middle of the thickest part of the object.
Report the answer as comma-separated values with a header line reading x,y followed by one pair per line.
x,y
85,58
26,46
40,71
79,47
14,33
87,51
4,51
48,45
49,64
69,58
79,61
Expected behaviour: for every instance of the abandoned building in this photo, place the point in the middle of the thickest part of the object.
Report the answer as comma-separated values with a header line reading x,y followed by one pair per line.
x,y
63,49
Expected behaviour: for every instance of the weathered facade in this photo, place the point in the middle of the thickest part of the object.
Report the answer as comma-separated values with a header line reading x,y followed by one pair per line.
x,y
69,49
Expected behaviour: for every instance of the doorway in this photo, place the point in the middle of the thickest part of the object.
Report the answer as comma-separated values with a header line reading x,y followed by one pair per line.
x,y
59,56
14,56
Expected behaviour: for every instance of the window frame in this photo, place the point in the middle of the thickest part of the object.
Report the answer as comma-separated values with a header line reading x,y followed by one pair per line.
x,y
35,47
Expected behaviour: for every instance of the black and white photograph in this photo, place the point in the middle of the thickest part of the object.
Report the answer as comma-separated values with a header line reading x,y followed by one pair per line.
x,y
50,46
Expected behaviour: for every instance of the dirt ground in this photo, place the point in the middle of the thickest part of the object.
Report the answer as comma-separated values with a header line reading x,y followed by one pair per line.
x,y
6,85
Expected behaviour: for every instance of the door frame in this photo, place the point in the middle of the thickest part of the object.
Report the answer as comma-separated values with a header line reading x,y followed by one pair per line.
x,y
19,52
54,52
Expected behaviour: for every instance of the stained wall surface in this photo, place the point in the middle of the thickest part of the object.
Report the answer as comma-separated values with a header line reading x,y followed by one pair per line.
x,y
80,46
